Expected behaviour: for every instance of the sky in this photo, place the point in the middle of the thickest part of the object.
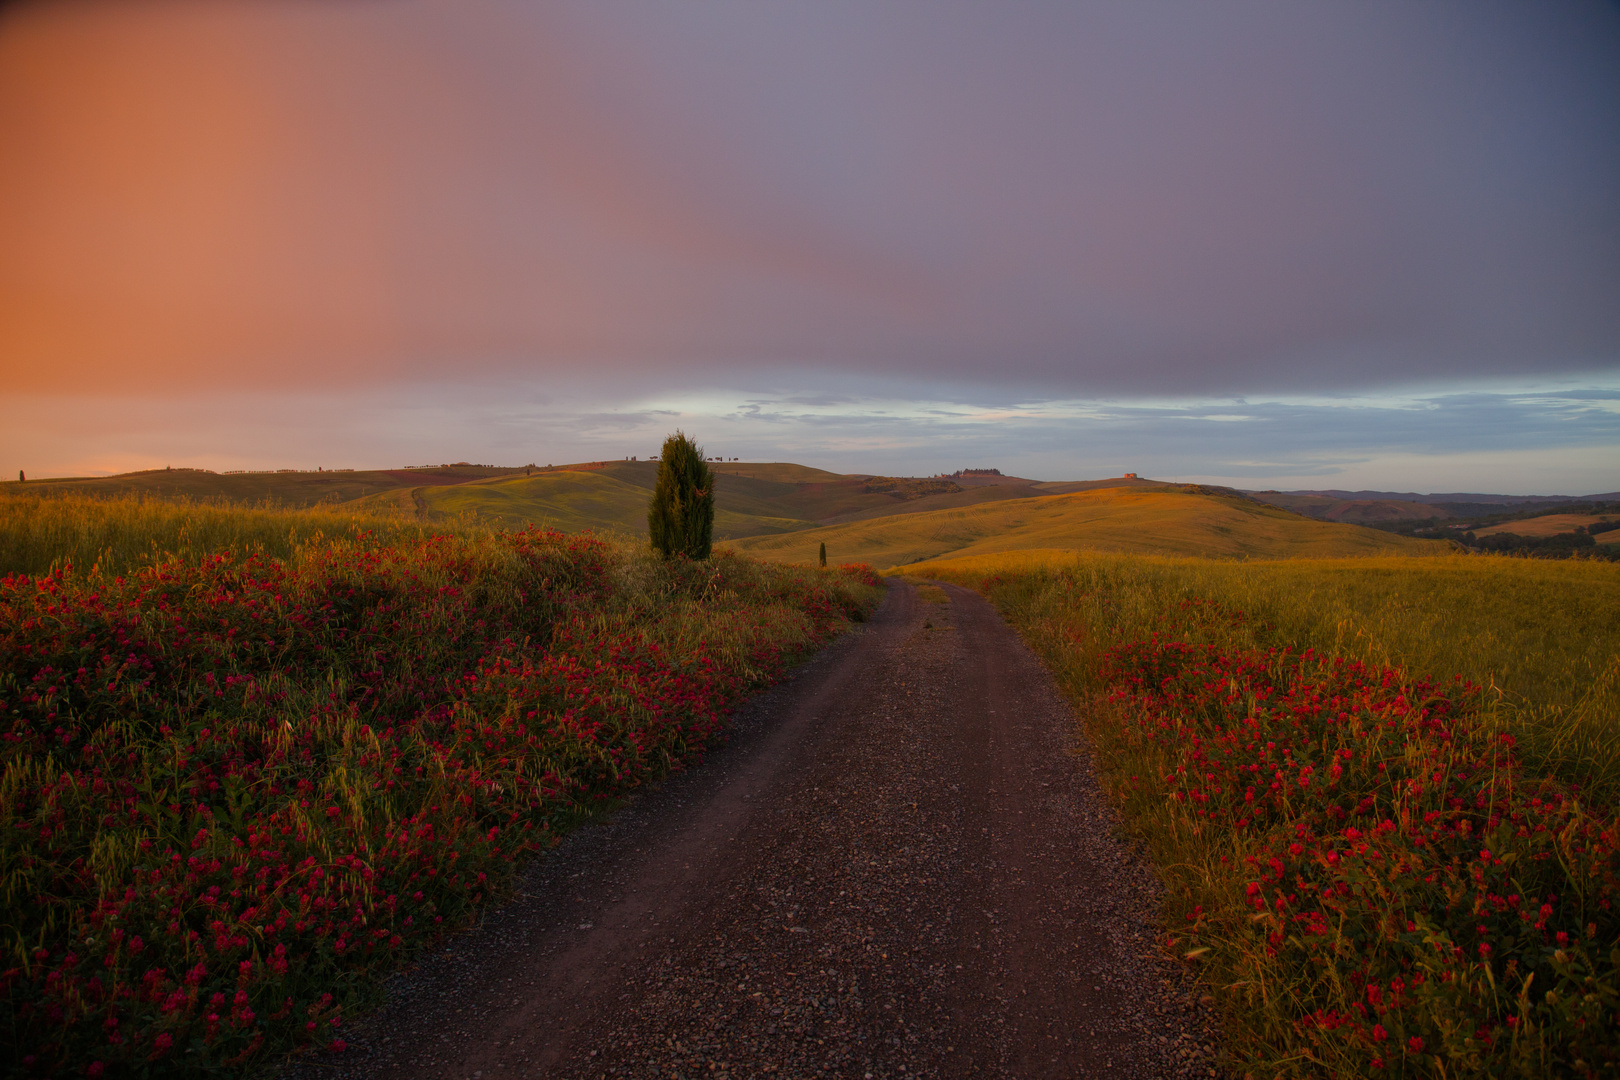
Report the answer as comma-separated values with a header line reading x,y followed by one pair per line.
x,y
1267,244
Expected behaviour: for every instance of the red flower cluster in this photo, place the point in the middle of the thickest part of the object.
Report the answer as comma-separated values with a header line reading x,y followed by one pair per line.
x,y
863,573
1408,893
234,790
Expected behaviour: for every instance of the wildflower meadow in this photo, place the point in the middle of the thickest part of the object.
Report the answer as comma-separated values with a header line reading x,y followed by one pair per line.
x,y
238,790
1362,863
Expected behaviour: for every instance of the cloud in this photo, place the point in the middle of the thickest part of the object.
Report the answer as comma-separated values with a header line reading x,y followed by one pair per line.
x,y
1491,437
1041,201
1276,245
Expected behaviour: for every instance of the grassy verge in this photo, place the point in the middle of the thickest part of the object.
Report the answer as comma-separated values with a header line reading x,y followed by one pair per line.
x,y
1381,867
236,790
1541,636
39,533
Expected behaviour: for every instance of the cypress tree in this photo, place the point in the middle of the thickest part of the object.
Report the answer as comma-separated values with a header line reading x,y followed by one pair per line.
x,y
824,554
680,517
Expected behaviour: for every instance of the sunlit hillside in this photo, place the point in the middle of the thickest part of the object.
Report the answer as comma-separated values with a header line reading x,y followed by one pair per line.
x,y
784,511
120,535
1554,524
609,499
824,498
284,487
781,472
1160,522
751,497
1542,630
1357,511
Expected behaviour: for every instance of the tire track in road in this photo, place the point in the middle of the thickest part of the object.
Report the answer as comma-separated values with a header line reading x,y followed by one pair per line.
x,y
901,865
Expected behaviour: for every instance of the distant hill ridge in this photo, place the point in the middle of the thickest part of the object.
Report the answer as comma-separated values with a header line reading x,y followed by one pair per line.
x,y
1447,497
776,508
1161,519
1389,508
462,471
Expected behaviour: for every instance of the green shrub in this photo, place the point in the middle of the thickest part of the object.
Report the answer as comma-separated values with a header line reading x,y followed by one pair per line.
x,y
680,518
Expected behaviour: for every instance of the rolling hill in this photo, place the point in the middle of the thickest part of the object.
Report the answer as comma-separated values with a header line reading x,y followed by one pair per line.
x,y
1369,507
288,488
751,499
1355,511
783,511
1161,521
606,499
1552,525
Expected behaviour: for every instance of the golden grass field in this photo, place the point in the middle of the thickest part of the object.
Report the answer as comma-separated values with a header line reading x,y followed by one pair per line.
x,y
120,534
1542,639
752,498
1552,525
1158,522
777,512
576,501
1078,574
137,796
1544,634
285,489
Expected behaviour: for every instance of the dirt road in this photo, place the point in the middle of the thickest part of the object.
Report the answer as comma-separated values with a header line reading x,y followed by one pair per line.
x,y
898,867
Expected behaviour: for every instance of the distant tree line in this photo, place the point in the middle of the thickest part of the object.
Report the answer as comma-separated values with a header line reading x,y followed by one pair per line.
x,y
1484,515
1579,542
1561,546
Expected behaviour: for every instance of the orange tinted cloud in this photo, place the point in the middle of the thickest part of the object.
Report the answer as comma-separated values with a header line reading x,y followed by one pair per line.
x,y
197,194
269,194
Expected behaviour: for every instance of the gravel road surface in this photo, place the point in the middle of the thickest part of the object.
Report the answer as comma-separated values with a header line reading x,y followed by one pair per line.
x,y
899,866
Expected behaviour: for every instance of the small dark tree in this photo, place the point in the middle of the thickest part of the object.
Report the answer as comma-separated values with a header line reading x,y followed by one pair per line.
x,y
680,518
824,554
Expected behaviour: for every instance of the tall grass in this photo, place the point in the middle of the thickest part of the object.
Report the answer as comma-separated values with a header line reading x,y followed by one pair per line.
x,y
118,535
238,787
1378,870
1542,636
